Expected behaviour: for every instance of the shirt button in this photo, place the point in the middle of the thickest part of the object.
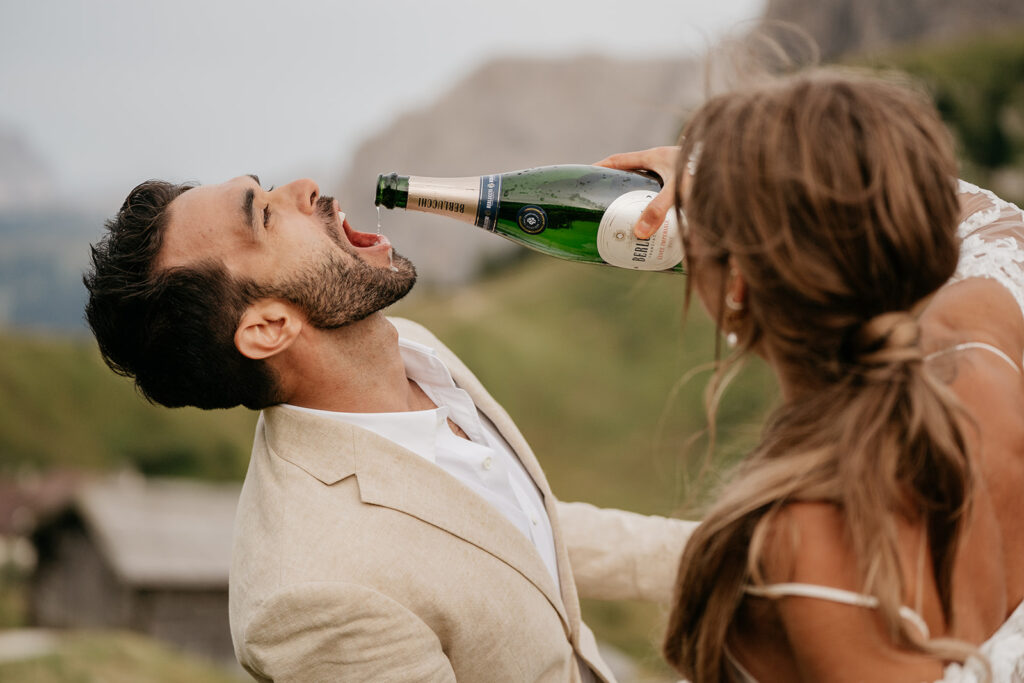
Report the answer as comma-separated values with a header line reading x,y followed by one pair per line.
x,y
533,518
488,463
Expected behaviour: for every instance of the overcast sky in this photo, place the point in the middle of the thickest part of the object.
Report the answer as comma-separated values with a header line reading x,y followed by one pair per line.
x,y
111,92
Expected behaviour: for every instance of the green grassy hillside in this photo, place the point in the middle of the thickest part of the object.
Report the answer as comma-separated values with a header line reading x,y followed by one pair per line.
x,y
585,359
113,657
61,406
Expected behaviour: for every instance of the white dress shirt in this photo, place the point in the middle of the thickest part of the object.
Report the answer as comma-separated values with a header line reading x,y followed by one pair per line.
x,y
485,462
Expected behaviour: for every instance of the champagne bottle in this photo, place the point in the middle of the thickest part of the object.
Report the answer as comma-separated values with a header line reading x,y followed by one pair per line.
x,y
573,212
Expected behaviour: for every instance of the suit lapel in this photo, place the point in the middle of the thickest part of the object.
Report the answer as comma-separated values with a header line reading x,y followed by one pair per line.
x,y
393,477
505,425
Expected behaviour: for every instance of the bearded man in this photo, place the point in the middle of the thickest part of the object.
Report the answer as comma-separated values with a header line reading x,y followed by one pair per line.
x,y
394,525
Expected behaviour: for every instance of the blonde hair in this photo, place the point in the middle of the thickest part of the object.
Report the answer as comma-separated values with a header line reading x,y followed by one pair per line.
x,y
834,195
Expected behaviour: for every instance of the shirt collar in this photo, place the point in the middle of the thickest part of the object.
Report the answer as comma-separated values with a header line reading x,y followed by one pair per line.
x,y
423,364
416,431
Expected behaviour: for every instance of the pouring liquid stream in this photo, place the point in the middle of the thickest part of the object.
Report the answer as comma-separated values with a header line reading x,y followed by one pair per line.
x,y
391,252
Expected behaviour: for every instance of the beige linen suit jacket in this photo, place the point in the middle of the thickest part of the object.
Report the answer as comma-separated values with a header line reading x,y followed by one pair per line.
x,y
357,560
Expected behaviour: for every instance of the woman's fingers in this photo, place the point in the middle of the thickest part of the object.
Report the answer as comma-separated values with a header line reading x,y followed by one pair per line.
x,y
654,215
660,160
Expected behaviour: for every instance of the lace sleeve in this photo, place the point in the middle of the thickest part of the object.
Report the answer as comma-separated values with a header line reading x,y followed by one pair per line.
x,y
992,234
1005,665
1003,652
971,672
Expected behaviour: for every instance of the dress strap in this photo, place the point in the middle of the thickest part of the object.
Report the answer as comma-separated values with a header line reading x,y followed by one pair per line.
x,y
975,345
810,590
739,671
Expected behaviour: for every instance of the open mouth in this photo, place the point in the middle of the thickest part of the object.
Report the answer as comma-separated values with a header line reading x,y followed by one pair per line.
x,y
361,240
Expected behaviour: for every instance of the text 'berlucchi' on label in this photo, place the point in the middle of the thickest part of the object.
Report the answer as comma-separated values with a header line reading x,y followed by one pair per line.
x,y
618,246
452,197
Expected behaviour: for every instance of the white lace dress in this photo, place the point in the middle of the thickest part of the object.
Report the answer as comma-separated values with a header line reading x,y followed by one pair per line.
x,y
992,234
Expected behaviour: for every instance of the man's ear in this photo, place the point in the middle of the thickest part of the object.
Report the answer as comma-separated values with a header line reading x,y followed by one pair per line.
x,y
267,327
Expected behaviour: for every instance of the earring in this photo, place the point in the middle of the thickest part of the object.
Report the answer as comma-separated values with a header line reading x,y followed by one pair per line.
x,y
731,340
731,303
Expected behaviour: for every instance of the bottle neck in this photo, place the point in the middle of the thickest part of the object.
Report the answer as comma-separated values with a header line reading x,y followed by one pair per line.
x,y
392,191
457,198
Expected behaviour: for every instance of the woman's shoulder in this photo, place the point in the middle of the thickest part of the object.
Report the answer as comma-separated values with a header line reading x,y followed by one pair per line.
x,y
811,542
797,524
811,591
973,310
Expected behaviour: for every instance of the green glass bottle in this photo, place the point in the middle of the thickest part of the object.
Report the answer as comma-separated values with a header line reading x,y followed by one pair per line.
x,y
573,212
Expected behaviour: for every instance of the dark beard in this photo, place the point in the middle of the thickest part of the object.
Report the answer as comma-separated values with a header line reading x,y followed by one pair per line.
x,y
337,291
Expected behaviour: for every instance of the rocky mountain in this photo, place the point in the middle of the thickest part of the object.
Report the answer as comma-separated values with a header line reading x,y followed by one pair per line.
x,y
508,115
518,113
844,27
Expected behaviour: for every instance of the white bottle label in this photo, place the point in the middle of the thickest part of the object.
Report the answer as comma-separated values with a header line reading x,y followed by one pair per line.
x,y
618,246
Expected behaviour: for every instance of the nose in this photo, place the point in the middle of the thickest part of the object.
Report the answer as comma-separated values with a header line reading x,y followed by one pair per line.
x,y
304,193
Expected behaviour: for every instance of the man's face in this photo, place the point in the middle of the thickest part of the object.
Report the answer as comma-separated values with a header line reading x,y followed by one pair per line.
x,y
291,243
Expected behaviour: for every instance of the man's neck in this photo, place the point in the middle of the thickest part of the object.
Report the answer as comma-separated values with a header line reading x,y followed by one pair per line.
x,y
355,369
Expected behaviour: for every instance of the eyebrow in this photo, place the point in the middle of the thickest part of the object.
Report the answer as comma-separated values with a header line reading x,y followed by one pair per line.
x,y
247,208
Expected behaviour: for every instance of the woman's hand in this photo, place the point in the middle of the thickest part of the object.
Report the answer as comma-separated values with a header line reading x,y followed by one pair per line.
x,y
660,160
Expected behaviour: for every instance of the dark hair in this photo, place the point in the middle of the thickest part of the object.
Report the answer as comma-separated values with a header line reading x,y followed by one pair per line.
x,y
172,329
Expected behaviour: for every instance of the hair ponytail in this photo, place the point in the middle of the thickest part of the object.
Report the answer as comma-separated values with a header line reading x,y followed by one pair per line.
x,y
881,444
